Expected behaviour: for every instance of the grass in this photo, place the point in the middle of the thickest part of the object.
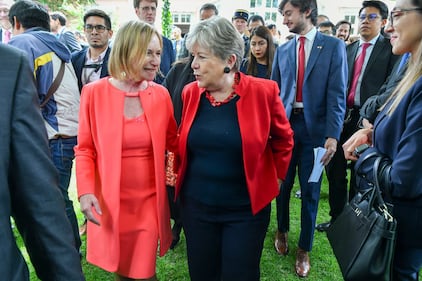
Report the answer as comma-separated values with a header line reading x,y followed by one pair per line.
x,y
173,266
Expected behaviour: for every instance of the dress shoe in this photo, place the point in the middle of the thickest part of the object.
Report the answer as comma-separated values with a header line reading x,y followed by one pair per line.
x,y
177,228
280,244
303,264
322,227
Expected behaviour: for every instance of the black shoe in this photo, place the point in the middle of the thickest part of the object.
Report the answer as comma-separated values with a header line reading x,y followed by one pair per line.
x,y
322,227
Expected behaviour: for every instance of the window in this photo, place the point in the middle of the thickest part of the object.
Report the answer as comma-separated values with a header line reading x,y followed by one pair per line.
x,y
182,18
268,3
275,4
253,2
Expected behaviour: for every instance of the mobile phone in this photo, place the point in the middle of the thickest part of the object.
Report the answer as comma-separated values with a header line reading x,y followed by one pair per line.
x,y
360,149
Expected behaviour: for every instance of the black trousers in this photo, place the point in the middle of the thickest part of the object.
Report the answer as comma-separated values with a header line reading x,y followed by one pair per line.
x,y
223,244
336,170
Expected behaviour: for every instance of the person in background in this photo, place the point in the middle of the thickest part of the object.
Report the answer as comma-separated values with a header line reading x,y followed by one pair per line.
x,y
60,106
275,33
5,26
260,60
254,21
327,28
240,20
29,191
146,10
343,29
122,140
90,63
396,138
58,27
235,142
370,62
176,40
205,12
311,71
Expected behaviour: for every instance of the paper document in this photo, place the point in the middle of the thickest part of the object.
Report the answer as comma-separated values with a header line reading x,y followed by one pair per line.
x,y
318,166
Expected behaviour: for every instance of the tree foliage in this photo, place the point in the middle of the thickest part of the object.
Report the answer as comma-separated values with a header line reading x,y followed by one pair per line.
x,y
166,19
61,5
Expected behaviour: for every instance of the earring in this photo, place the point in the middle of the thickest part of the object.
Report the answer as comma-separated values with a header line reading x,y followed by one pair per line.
x,y
226,69
123,74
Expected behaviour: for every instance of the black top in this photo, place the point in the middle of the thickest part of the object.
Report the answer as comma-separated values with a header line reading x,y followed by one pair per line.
x,y
215,174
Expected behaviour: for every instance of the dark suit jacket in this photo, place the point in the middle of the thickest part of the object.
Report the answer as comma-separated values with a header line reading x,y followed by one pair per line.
x,y
78,61
324,86
369,109
29,182
379,67
68,38
398,137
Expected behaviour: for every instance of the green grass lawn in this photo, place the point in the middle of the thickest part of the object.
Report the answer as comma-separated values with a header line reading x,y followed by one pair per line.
x,y
173,266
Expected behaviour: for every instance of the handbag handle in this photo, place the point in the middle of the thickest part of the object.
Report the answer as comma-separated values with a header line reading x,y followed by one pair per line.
x,y
380,201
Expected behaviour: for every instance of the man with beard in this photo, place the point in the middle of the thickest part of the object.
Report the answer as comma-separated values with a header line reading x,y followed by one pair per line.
x,y
91,63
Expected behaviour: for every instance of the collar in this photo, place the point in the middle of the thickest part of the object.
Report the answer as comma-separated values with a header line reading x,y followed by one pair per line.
x,y
372,41
310,35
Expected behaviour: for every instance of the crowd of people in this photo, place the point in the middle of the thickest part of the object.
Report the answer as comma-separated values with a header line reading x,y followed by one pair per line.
x,y
207,131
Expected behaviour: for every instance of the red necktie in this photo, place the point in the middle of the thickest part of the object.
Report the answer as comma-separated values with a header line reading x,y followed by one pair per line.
x,y
6,36
300,69
357,69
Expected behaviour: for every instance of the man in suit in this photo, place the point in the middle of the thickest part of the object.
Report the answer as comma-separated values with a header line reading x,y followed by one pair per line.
x,y
60,106
90,64
67,37
146,10
377,63
28,183
5,26
315,107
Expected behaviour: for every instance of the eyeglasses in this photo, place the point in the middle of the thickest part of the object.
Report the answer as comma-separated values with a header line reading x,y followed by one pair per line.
x,y
99,28
370,17
146,9
396,14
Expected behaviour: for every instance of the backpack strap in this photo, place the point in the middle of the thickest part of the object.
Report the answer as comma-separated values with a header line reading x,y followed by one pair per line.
x,y
54,86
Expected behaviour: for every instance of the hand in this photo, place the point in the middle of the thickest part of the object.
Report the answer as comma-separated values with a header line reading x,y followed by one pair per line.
x,y
366,124
89,202
331,147
360,137
280,182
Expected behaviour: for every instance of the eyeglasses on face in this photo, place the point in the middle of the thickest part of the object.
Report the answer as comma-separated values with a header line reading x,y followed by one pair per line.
x,y
370,17
99,28
397,13
146,9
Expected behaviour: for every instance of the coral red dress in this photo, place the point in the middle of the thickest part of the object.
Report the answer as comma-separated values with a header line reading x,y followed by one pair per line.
x,y
138,202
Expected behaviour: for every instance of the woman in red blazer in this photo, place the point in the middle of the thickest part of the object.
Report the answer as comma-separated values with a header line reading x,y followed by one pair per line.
x,y
126,123
235,142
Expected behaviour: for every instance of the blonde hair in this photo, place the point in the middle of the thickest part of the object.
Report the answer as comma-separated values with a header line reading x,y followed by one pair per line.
x,y
129,49
413,73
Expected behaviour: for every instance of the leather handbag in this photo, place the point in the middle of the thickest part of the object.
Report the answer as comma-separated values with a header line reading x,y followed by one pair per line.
x,y
363,236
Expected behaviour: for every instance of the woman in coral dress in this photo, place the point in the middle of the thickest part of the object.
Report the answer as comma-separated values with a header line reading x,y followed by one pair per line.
x,y
126,125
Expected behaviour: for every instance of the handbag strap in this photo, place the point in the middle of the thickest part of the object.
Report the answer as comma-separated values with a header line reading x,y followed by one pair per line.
x,y
380,201
54,86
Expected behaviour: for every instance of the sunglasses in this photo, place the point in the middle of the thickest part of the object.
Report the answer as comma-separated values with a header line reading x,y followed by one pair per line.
x,y
370,17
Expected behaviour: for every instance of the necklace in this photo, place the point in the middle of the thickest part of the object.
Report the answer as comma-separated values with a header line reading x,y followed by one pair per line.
x,y
233,94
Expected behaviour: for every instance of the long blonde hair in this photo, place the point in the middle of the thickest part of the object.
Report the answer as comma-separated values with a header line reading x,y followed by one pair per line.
x,y
413,73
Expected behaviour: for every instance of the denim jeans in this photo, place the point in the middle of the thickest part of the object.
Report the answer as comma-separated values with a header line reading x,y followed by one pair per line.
x,y
62,154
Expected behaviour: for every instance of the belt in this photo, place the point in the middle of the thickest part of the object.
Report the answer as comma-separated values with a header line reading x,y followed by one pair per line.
x,y
297,110
62,137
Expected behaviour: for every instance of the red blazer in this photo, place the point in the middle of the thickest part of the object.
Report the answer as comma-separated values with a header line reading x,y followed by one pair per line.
x,y
267,139
98,161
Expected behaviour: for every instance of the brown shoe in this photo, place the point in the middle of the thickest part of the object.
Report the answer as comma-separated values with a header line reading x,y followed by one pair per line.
x,y
281,245
303,264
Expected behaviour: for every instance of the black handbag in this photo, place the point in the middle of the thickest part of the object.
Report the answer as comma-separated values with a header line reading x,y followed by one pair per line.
x,y
363,236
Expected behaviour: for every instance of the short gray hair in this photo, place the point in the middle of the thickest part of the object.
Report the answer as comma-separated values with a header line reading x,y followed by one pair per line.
x,y
219,36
